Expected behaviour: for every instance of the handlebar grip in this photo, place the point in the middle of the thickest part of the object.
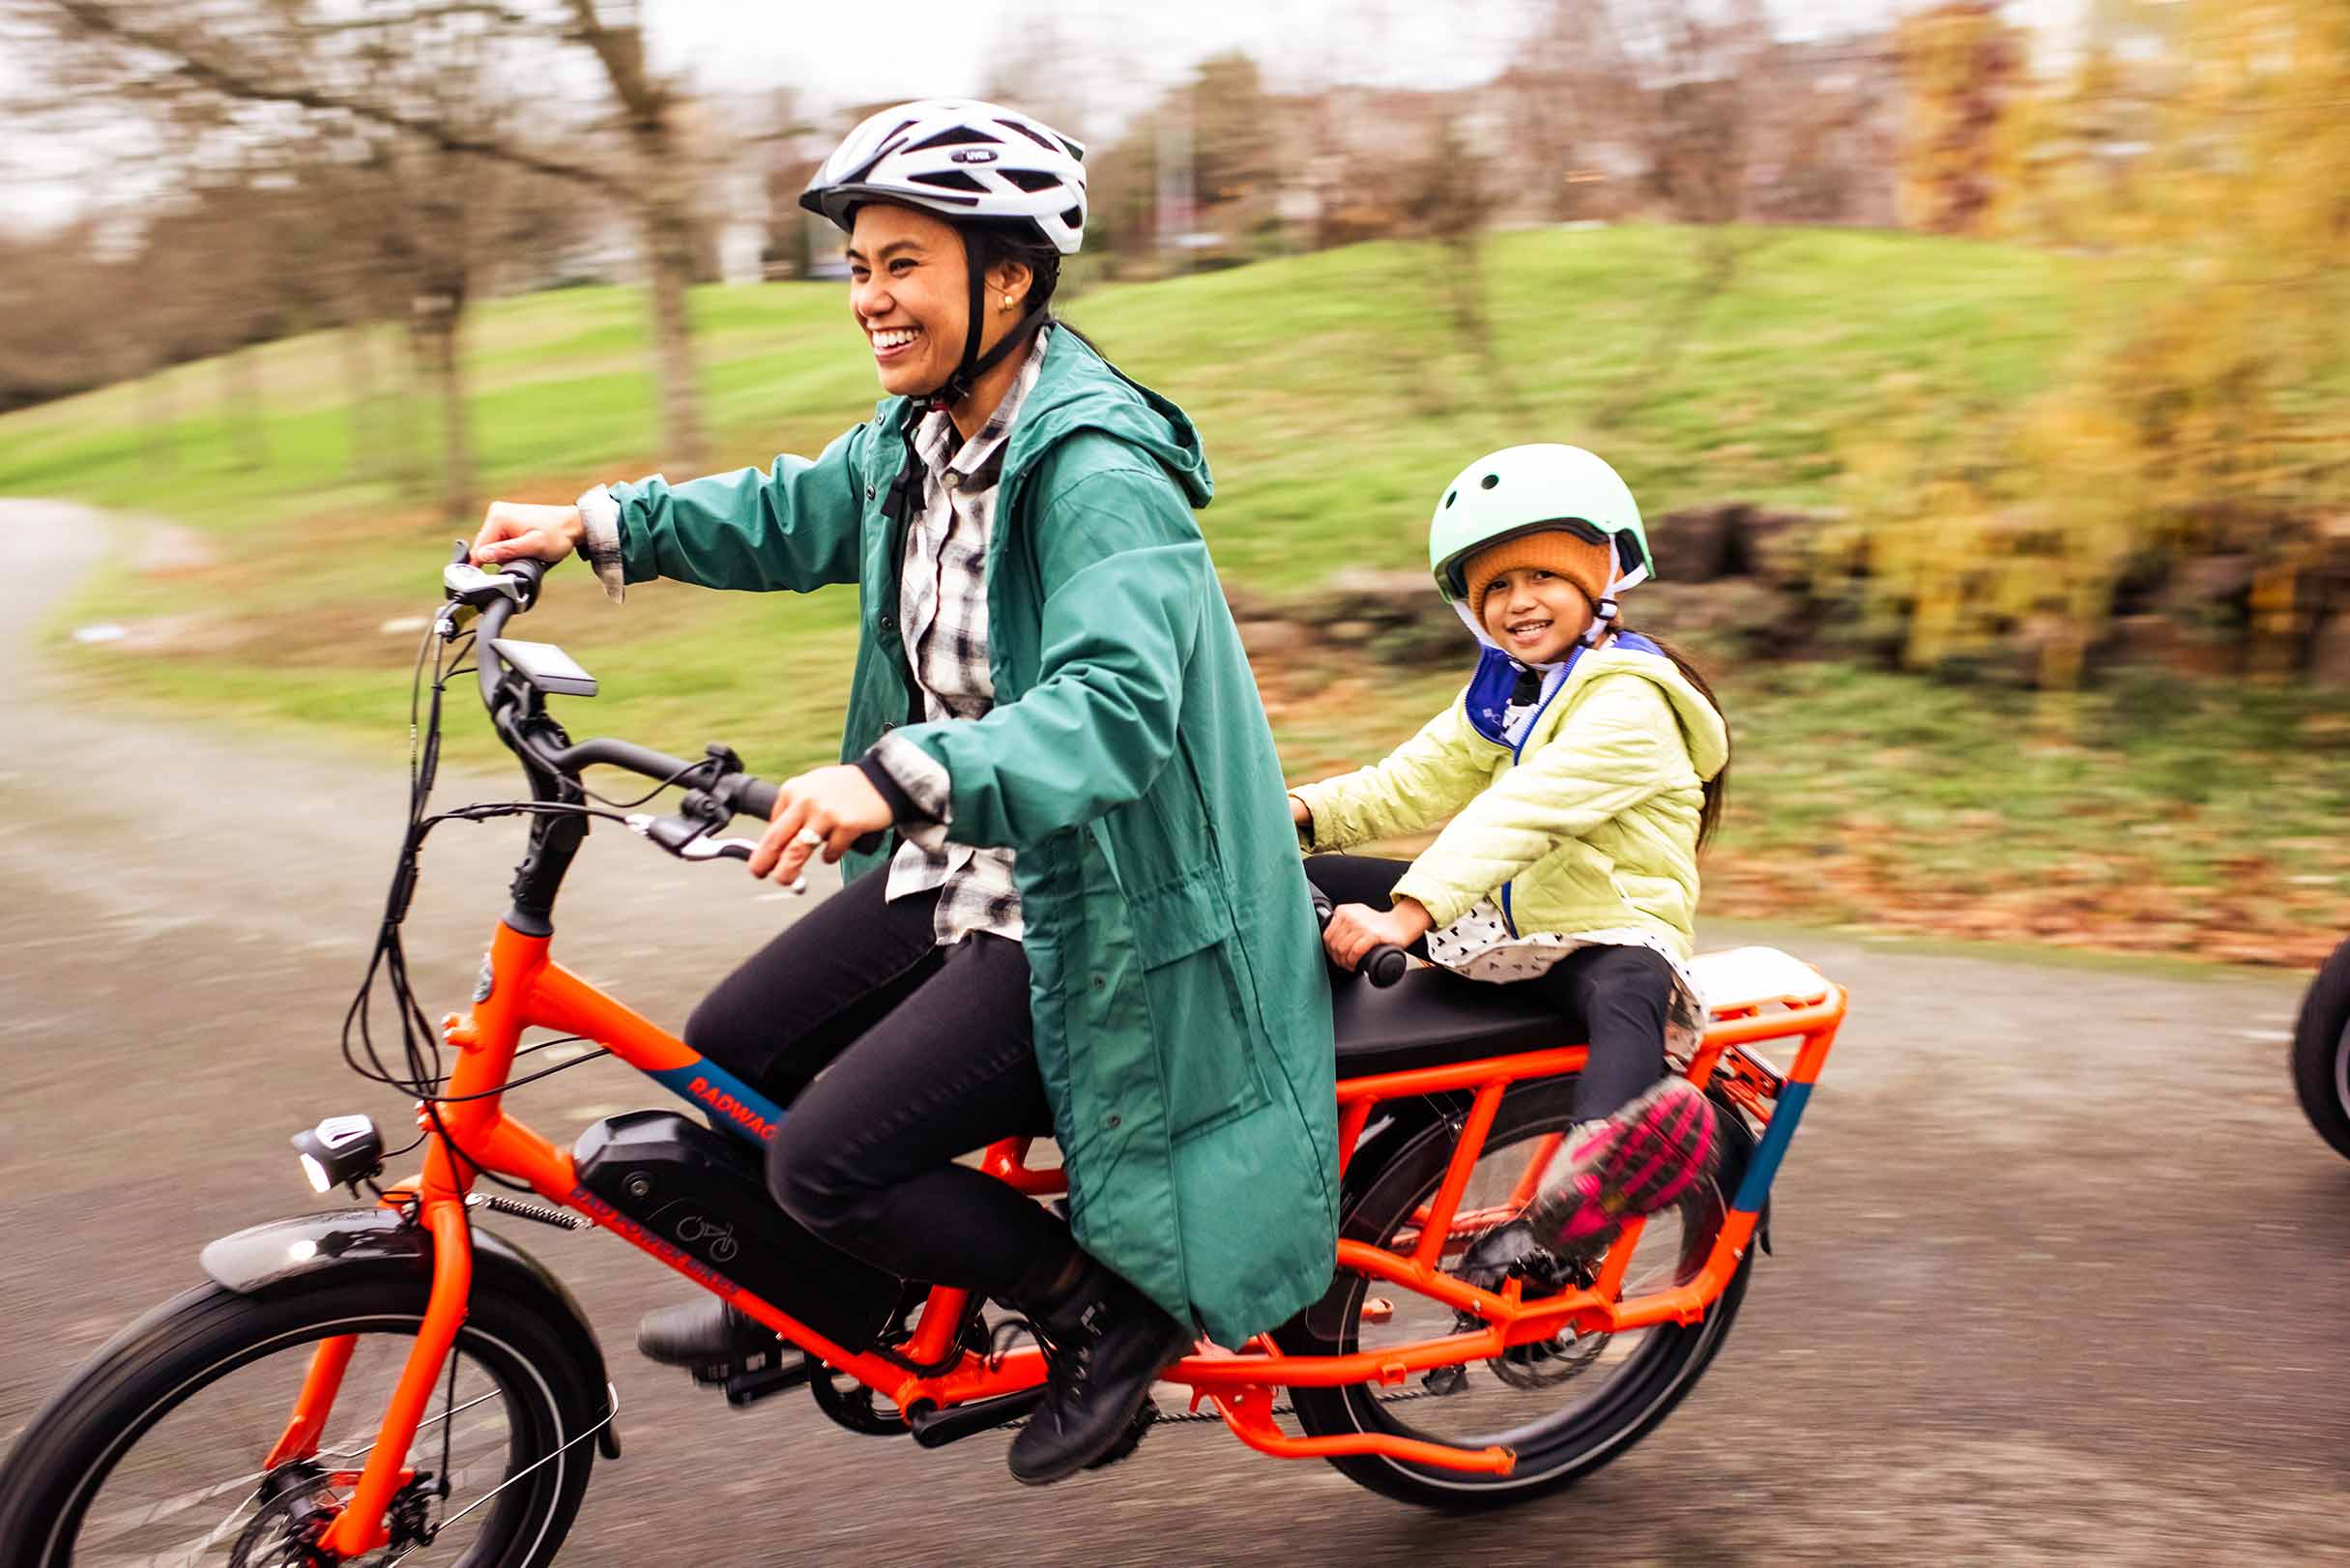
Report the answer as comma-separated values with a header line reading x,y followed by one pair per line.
x,y
1383,965
754,798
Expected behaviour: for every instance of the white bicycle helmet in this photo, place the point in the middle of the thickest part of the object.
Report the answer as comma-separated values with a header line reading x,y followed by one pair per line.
x,y
961,159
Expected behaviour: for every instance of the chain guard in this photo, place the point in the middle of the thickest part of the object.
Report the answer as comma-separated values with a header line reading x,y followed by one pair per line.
x,y
852,1406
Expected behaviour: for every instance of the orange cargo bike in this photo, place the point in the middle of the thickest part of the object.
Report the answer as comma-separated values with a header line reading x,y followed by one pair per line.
x,y
396,1382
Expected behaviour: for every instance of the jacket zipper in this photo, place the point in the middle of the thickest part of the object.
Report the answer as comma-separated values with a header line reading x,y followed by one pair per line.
x,y
1517,751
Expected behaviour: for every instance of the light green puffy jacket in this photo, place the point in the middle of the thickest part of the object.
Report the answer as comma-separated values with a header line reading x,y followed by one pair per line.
x,y
1591,823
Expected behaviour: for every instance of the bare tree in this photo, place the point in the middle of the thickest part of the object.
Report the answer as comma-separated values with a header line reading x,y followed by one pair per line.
x,y
664,203
438,73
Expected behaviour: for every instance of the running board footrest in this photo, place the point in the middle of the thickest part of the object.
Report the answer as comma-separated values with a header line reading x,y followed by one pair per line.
x,y
1249,1412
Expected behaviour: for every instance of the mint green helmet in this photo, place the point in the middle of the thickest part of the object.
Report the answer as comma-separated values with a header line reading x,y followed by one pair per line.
x,y
1522,489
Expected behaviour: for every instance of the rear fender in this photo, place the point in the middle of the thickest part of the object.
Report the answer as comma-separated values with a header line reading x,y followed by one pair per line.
x,y
360,1245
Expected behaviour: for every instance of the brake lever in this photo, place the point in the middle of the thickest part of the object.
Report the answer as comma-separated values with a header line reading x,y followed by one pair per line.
x,y
467,583
697,846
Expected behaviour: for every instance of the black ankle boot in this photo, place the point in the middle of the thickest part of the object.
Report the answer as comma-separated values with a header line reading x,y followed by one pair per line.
x,y
705,1332
1105,1344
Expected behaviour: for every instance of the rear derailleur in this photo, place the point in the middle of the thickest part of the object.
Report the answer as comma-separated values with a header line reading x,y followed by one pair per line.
x,y
1509,1252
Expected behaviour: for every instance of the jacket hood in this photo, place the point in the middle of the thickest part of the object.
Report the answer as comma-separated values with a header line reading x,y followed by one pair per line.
x,y
1702,726
1078,390
1627,653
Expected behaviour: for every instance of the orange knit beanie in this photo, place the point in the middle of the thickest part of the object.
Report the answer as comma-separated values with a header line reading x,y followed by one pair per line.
x,y
1579,561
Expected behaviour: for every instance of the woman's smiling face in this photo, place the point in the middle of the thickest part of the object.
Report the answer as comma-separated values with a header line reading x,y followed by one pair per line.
x,y
1536,615
911,294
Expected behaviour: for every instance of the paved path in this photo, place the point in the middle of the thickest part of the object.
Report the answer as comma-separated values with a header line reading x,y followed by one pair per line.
x,y
2061,1274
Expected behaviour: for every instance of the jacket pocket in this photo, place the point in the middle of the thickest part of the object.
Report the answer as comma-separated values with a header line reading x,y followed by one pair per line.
x,y
1208,1037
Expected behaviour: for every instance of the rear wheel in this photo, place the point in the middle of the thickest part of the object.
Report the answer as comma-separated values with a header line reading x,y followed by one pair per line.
x,y
1565,1408
2321,1052
155,1452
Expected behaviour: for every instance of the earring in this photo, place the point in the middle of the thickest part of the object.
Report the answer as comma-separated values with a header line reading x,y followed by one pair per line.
x,y
1007,301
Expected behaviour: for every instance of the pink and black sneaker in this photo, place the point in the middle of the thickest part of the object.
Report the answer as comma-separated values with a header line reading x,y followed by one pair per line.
x,y
1636,1162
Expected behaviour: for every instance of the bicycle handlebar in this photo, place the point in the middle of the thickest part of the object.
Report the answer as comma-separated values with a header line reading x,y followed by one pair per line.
x,y
499,596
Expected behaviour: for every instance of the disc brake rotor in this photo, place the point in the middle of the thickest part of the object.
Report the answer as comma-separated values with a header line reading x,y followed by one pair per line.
x,y
296,1505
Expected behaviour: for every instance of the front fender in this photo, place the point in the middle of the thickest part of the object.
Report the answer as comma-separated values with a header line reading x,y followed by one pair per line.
x,y
346,1244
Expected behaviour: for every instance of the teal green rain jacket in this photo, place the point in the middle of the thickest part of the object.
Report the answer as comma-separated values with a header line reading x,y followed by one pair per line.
x,y
1181,1010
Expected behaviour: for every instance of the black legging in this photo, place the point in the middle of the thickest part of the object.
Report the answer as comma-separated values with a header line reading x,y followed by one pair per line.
x,y
1615,996
925,1054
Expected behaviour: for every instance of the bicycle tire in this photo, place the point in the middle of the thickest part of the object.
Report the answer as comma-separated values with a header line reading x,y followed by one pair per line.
x,y
206,1335
2321,1052
1670,1359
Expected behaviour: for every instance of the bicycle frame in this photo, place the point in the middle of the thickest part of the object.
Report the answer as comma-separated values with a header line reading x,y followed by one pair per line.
x,y
526,989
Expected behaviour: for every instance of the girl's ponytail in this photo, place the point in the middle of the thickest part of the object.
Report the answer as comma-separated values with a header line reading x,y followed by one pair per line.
x,y
1709,816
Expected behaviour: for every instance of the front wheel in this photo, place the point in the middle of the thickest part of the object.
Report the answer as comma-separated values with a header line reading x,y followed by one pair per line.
x,y
1565,1408
155,1452
2321,1052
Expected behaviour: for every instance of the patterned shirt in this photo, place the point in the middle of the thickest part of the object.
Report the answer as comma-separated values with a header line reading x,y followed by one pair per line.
x,y
943,611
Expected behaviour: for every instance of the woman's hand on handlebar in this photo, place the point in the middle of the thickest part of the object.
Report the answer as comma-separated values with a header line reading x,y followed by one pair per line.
x,y
1355,929
836,806
514,529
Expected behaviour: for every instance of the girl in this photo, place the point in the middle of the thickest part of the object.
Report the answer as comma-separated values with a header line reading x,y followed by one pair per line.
x,y
1587,765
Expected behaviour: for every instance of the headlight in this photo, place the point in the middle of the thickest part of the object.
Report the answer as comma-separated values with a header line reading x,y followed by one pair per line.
x,y
339,1151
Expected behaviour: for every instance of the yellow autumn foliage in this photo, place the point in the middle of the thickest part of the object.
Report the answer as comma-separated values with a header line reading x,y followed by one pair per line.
x,y
2213,182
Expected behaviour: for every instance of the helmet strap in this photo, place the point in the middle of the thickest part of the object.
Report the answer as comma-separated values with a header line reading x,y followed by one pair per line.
x,y
1603,607
958,386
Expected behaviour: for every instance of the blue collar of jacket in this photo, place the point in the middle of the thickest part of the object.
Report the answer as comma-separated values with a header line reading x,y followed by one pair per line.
x,y
1488,699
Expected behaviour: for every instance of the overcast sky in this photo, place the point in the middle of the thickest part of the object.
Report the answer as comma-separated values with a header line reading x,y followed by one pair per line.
x,y
844,53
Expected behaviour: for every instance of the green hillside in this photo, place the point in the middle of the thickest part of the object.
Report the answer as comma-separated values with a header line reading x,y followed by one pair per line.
x,y
1336,393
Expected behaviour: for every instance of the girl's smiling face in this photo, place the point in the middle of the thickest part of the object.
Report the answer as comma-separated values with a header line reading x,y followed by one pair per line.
x,y
1536,615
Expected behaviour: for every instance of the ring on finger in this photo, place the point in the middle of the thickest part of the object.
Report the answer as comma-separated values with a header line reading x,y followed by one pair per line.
x,y
809,838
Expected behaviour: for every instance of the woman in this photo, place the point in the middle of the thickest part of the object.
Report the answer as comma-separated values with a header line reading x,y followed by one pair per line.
x,y
1092,922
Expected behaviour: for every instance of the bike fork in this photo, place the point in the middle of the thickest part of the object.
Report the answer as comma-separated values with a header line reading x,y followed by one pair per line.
x,y
360,1528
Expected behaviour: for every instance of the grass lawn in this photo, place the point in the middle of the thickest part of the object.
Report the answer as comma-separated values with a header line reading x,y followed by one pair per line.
x,y
1335,396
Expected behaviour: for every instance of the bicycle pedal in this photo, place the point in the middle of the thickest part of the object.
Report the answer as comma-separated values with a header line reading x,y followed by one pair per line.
x,y
1446,1379
747,1382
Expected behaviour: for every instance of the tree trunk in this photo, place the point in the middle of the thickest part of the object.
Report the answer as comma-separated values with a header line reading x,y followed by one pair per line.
x,y
438,320
240,407
158,445
667,225
665,183
406,458
357,339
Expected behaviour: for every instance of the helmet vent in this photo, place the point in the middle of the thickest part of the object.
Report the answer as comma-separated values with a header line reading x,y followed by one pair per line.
x,y
951,137
1451,496
1032,180
946,180
1489,481
1033,135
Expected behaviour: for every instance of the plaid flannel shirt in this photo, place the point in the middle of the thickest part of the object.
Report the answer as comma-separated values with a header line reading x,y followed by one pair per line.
x,y
942,607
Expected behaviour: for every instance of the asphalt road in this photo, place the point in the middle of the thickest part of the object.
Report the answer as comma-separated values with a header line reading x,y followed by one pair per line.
x,y
2060,1272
